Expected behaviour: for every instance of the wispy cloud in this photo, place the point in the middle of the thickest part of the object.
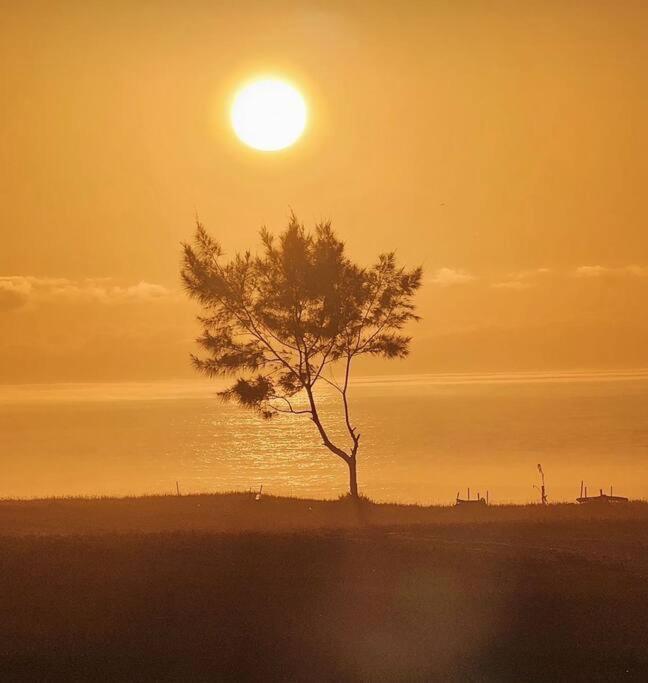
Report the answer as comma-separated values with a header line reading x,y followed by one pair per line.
x,y
529,274
512,284
521,279
19,290
603,271
446,277
591,271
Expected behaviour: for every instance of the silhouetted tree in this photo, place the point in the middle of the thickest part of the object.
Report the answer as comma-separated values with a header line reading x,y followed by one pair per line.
x,y
278,321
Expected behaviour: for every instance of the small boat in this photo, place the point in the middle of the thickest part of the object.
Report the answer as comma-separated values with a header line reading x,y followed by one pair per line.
x,y
602,498
474,501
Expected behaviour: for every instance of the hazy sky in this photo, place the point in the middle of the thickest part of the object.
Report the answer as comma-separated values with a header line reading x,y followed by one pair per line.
x,y
503,145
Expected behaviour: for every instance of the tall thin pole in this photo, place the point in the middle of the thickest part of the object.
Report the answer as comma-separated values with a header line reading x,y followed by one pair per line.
x,y
543,493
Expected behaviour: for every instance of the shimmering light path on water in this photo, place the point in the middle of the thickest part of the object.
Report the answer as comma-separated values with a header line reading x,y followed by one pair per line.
x,y
423,439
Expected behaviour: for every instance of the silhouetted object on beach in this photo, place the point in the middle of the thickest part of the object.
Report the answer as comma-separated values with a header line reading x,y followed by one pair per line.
x,y
543,492
601,498
259,492
283,320
474,501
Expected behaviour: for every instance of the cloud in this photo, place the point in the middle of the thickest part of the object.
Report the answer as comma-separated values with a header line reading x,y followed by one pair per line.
x,y
529,274
512,284
604,271
445,277
521,279
19,290
590,271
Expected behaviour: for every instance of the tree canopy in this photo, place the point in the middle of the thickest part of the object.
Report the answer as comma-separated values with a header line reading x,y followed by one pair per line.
x,y
277,320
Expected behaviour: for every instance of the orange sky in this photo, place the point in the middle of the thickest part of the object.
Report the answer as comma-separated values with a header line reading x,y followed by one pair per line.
x,y
501,144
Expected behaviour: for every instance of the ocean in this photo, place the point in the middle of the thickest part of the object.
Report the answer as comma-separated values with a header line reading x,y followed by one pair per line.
x,y
424,438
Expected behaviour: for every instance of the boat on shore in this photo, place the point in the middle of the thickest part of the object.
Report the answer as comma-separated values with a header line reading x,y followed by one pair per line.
x,y
602,498
474,501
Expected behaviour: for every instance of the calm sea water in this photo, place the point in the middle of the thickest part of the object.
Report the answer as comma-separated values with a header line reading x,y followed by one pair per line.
x,y
423,439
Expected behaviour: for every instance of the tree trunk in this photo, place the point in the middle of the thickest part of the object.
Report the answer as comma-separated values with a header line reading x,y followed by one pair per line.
x,y
353,477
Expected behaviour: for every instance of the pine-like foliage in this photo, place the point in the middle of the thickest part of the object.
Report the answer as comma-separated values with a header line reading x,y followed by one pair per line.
x,y
278,320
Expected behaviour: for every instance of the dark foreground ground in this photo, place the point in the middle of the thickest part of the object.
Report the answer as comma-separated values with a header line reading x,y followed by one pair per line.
x,y
106,590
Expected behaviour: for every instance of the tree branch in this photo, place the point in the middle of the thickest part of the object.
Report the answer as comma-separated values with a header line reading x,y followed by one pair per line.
x,y
352,431
290,406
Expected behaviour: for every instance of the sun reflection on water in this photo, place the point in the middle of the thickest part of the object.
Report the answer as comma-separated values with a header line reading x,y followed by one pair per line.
x,y
421,441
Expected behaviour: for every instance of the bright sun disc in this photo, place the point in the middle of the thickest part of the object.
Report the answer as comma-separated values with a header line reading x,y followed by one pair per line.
x,y
268,115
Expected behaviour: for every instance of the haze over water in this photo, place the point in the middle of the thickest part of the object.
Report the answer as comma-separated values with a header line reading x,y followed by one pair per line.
x,y
423,438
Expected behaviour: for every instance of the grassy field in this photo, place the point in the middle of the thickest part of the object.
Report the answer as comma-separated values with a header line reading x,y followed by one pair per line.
x,y
239,512
226,588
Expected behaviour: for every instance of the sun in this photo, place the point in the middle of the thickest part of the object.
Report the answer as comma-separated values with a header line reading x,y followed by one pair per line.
x,y
269,114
